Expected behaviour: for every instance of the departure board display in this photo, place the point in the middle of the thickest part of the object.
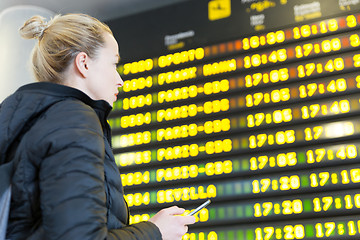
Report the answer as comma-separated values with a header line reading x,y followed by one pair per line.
x,y
254,104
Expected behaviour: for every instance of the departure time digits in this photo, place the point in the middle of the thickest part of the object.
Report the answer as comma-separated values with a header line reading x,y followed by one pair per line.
x,y
301,112
244,142
253,42
307,229
268,123
281,160
315,68
329,86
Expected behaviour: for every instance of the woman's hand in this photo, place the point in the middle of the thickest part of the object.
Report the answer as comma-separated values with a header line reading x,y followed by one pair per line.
x,y
171,225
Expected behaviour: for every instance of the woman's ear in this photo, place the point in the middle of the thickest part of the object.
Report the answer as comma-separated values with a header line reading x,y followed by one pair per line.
x,y
81,64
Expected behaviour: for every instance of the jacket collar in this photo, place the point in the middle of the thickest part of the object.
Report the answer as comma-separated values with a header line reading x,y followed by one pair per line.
x,y
101,107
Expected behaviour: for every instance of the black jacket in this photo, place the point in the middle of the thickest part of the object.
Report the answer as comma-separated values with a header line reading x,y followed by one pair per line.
x,y
66,183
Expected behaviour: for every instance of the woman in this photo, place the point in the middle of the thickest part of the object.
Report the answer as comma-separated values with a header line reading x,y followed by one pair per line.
x,y
66,184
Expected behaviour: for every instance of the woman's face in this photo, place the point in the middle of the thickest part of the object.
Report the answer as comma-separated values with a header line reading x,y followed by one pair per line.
x,y
103,79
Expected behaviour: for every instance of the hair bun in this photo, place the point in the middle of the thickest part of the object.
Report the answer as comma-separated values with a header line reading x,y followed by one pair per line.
x,y
34,28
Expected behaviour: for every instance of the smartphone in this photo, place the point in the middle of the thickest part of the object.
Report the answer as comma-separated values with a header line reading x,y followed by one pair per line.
x,y
199,207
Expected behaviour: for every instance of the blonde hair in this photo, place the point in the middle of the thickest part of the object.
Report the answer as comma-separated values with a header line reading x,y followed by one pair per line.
x,y
60,40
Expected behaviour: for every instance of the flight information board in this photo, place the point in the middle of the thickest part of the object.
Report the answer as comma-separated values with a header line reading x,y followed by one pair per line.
x,y
253,104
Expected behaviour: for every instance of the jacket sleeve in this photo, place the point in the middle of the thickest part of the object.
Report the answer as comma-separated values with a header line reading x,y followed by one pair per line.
x,y
72,191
